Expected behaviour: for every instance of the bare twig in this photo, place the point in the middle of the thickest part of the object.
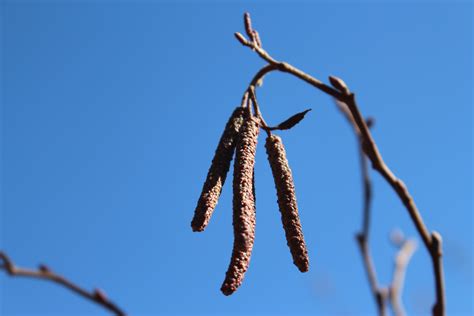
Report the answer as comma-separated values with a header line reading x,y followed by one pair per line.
x,y
380,295
407,247
342,93
44,273
402,259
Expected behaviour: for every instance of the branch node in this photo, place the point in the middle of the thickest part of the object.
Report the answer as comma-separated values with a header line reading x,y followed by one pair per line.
x,y
257,39
437,243
100,295
360,237
44,268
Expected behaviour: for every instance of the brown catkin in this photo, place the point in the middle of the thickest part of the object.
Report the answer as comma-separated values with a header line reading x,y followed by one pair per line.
x,y
218,171
287,201
243,206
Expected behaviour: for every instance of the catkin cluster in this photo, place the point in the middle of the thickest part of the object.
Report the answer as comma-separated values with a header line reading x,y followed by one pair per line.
x,y
240,135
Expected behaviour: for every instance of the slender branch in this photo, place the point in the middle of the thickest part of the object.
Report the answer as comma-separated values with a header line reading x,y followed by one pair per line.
x,y
437,250
44,273
343,94
362,237
379,294
263,124
402,259
408,247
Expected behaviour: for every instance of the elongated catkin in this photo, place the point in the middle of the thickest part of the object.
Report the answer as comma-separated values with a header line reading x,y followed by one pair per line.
x,y
218,171
243,206
287,201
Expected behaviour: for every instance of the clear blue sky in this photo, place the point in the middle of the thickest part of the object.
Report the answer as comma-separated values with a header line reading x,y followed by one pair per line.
x,y
111,112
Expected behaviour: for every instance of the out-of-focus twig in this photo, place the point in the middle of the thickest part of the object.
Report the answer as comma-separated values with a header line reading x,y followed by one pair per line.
x,y
341,92
44,273
380,294
407,249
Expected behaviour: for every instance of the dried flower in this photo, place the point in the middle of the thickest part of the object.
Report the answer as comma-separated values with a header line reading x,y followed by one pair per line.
x,y
218,171
287,201
243,206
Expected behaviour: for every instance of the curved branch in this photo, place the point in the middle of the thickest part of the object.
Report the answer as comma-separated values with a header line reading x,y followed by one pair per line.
x,y
44,273
342,93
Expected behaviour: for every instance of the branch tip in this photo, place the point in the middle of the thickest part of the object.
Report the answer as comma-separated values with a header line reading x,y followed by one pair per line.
x,y
248,25
241,39
339,84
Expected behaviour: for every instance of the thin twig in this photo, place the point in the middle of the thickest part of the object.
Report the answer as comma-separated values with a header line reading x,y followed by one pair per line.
x,y
402,259
44,273
263,124
362,237
407,247
342,93
379,294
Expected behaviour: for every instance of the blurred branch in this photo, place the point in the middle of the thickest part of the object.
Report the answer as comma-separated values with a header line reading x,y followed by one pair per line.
x,y
407,249
44,273
380,294
341,93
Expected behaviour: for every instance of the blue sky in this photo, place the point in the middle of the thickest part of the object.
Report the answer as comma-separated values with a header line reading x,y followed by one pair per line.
x,y
111,112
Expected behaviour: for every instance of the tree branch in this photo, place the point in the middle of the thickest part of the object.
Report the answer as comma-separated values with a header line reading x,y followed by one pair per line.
x,y
380,295
402,259
44,273
342,93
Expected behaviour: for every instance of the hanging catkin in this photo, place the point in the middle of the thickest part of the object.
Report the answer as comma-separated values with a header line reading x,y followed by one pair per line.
x,y
218,171
287,201
243,206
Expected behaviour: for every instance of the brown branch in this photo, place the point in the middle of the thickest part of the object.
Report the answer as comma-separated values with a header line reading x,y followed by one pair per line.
x,y
342,93
407,247
402,259
379,294
44,273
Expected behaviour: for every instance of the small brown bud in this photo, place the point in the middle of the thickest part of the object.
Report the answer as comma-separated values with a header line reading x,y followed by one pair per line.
x,y
217,173
370,121
100,295
243,206
287,201
339,84
44,268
